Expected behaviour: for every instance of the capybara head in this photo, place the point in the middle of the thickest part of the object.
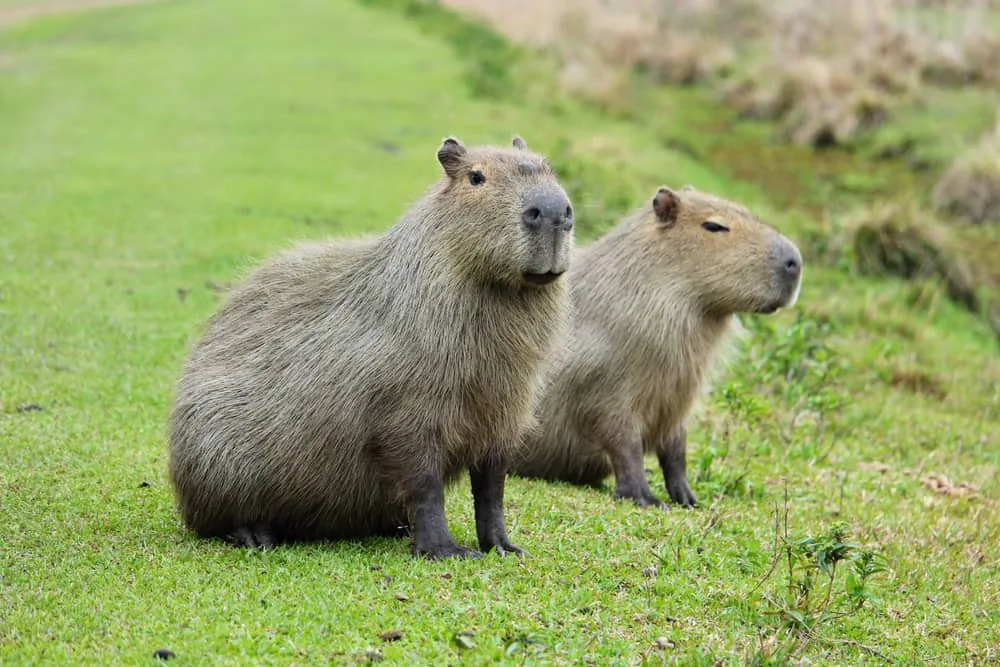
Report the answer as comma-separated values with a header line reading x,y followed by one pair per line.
x,y
516,220
724,256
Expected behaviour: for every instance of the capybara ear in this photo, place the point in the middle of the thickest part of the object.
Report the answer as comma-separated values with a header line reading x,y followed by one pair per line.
x,y
519,143
666,205
450,155
688,188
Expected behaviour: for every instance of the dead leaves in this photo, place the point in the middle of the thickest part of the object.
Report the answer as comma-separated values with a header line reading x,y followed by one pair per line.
x,y
875,467
939,483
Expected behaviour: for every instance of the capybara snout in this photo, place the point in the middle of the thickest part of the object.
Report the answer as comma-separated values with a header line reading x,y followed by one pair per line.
x,y
786,267
523,207
548,221
547,207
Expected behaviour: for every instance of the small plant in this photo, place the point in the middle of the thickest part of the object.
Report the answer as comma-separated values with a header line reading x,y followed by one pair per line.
x,y
826,576
812,592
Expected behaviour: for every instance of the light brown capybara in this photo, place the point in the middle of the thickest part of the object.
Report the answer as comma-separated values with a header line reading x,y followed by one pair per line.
x,y
343,385
652,303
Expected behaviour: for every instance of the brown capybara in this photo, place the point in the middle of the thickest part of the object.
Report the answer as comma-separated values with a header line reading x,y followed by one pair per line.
x,y
652,303
343,385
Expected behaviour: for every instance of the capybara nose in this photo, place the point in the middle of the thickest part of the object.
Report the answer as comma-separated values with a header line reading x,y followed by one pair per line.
x,y
788,260
793,267
548,210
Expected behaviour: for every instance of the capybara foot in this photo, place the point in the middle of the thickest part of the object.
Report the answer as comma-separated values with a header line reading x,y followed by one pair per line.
x,y
505,548
642,499
256,536
680,492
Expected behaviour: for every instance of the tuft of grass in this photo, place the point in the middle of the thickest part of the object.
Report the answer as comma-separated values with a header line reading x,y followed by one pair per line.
x,y
901,240
970,188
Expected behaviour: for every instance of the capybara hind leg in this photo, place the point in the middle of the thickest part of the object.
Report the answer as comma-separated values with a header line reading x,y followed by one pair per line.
x,y
630,475
431,537
672,454
487,494
256,535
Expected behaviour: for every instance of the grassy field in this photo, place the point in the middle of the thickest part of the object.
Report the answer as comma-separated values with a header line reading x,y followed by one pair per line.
x,y
847,464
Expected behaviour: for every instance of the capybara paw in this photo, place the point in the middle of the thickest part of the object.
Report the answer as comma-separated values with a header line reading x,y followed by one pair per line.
x,y
681,493
651,501
641,499
439,552
256,536
498,540
506,548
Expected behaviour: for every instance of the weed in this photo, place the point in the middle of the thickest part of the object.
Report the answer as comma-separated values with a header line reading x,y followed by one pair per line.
x,y
812,593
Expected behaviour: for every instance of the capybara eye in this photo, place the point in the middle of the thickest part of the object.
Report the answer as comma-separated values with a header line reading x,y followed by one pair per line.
x,y
714,227
477,177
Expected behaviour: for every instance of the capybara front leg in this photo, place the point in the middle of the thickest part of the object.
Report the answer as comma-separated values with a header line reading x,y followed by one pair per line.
x,y
431,537
630,475
672,454
488,479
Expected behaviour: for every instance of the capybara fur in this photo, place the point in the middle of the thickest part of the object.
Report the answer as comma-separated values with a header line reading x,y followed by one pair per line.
x,y
344,384
652,302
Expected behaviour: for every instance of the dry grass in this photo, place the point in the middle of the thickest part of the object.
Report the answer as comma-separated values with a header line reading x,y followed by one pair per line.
x,y
970,189
818,102
903,240
828,71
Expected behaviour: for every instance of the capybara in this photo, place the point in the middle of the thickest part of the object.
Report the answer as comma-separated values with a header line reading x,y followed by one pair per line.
x,y
652,302
344,384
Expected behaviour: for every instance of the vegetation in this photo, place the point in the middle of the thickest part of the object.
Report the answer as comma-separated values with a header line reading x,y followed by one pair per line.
x,y
971,187
846,462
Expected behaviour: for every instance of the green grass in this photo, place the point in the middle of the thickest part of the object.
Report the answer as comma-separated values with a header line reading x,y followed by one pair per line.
x,y
152,151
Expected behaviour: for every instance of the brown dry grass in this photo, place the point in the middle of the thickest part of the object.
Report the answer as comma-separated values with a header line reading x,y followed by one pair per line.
x,y
817,101
827,70
905,241
970,189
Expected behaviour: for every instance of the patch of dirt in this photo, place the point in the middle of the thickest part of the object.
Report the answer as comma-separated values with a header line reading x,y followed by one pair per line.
x,y
13,15
941,484
918,382
875,467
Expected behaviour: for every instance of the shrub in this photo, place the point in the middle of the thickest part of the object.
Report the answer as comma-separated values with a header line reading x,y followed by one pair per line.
x,y
905,241
970,188
893,239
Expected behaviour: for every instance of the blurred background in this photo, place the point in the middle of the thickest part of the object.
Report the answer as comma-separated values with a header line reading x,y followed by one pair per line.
x,y
909,83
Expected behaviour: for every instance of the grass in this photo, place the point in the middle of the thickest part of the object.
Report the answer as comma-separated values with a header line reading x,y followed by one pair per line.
x,y
153,152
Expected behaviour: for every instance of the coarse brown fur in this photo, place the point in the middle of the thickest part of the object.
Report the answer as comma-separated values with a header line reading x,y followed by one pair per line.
x,y
652,302
344,384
